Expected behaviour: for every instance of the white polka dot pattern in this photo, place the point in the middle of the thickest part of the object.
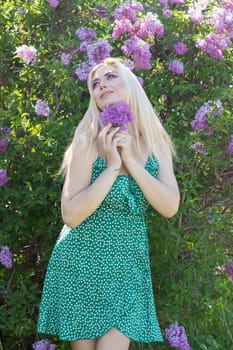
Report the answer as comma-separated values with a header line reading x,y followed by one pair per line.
x,y
99,273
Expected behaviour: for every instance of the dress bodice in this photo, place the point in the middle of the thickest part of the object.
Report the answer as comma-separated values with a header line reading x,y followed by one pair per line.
x,y
125,194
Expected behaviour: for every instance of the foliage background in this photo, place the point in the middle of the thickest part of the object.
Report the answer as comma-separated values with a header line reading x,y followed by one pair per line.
x,y
188,252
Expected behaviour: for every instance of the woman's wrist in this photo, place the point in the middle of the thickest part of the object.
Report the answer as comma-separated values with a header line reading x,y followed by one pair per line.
x,y
116,168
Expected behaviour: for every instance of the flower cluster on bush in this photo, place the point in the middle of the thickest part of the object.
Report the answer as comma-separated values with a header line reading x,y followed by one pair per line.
x,y
176,337
42,108
200,122
43,344
6,256
27,53
205,116
53,3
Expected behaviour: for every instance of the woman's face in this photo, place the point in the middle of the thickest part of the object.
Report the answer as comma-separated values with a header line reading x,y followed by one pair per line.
x,y
107,86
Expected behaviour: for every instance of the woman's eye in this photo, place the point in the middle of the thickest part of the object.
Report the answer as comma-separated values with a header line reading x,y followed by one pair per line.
x,y
110,76
94,84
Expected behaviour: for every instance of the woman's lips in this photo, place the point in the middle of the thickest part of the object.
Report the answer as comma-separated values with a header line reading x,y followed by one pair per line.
x,y
105,94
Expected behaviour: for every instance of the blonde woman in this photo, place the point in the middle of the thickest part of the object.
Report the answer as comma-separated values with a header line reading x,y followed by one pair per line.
x,y
98,292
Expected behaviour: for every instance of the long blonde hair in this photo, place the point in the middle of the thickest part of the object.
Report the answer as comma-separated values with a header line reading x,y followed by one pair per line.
x,y
146,123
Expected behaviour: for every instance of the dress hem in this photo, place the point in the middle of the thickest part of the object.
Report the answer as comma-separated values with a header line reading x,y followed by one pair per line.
x,y
98,335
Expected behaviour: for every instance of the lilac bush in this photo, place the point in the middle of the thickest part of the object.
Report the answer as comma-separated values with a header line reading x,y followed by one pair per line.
x,y
69,38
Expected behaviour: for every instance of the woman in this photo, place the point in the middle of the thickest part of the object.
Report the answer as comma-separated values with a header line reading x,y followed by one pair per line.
x,y
98,291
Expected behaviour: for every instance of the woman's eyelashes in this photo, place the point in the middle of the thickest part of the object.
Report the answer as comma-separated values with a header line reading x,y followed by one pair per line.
x,y
95,84
109,76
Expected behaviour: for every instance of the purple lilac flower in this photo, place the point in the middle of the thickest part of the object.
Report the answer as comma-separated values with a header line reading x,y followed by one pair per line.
x,y
195,11
130,46
139,50
227,4
6,256
142,57
43,344
222,20
42,108
118,114
213,44
195,15
128,10
230,146
83,46
121,27
83,70
21,10
167,13
85,34
137,6
176,66
98,51
6,131
201,116
129,64
27,53
176,336
198,147
140,80
148,26
53,3
101,11
3,145
230,270
3,177
74,50
180,48
164,3
66,58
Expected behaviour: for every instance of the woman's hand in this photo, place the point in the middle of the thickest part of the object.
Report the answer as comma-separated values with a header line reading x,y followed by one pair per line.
x,y
109,138
125,145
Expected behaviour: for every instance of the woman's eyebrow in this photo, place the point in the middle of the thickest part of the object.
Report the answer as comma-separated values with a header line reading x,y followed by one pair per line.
x,y
106,74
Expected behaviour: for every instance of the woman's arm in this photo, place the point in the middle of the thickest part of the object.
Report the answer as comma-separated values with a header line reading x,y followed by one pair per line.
x,y
80,198
162,193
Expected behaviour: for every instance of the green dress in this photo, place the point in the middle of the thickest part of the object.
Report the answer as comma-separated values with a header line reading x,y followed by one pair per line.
x,y
99,273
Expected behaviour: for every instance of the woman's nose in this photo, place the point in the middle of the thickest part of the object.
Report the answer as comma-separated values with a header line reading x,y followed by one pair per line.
x,y
102,84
